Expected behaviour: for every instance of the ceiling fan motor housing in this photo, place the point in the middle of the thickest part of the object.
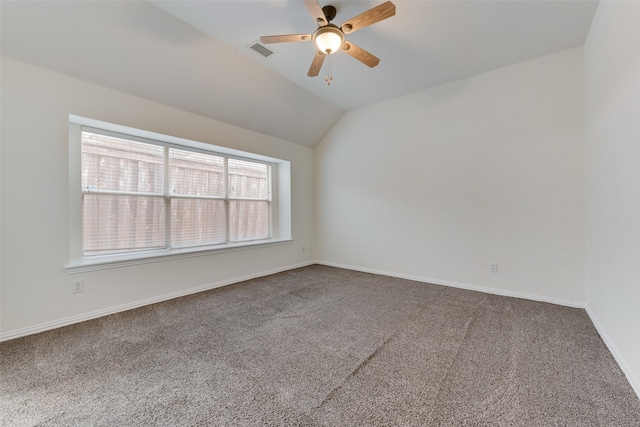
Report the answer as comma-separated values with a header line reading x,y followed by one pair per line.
x,y
329,12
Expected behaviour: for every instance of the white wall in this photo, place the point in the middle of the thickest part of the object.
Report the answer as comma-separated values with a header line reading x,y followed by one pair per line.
x,y
440,184
612,111
35,291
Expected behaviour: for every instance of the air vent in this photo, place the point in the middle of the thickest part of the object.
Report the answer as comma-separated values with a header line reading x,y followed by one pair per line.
x,y
261,49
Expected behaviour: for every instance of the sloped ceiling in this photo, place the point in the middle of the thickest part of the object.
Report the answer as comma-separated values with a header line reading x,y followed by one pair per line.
x,y
138,48
193,54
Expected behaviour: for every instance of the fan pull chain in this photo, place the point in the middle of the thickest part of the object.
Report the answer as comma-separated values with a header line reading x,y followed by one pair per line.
x,y
329,71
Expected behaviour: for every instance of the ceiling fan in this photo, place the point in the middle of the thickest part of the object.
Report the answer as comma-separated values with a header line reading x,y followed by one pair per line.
x,y
329,38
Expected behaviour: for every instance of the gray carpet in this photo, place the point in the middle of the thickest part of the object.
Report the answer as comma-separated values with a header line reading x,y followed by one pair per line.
x,y
321,346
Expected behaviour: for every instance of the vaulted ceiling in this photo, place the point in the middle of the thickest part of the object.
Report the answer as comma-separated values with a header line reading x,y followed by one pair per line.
x,y
193,55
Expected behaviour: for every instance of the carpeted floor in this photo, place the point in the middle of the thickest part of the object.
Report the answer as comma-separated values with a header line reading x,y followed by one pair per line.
x,y
320,346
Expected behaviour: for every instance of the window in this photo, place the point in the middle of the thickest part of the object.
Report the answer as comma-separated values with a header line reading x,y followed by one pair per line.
x,y
137,196
144,195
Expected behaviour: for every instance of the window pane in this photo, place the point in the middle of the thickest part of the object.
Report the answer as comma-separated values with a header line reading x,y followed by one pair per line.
x,y
212,199
122,223
197,222
248,220
195,174
248,179
115,164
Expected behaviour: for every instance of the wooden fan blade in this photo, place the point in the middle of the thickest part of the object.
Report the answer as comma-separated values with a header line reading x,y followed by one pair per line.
x,y
360,54
316,64
371,16
285,38
316,12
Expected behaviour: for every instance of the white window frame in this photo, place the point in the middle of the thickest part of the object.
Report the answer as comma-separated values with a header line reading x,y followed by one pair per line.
x,y
280,200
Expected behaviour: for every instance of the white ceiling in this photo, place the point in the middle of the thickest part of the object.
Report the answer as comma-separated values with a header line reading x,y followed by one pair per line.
x,y
193,54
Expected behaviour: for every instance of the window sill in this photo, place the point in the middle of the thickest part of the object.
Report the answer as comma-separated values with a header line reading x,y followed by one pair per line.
x,y
105,262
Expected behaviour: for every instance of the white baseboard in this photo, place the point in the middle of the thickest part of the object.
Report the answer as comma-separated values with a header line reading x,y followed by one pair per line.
x,y
487,290
129,306
633,381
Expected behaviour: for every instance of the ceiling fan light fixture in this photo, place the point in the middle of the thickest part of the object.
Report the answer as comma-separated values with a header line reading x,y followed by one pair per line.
x,y
328,39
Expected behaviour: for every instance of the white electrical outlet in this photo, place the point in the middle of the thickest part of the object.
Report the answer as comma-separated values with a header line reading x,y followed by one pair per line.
x,y
77,286
494,267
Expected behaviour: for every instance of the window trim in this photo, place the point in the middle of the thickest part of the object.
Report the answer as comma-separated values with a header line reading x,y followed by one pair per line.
x,y
104,262
280,200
